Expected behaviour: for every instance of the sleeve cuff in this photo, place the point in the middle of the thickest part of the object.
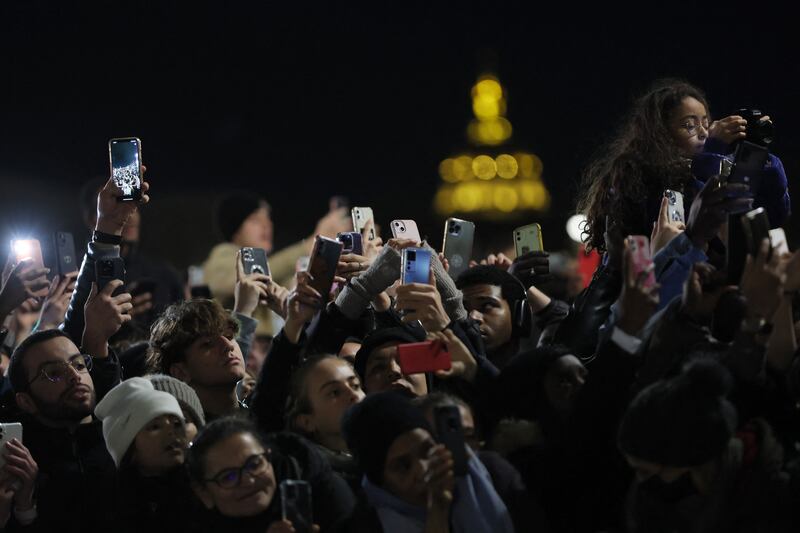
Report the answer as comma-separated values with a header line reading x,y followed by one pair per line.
x,y
629,343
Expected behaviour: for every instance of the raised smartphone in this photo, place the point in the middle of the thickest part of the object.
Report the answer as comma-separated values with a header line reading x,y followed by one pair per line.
x,y
28,249
254,261
360,217
642,260
66,259
756,228
421,357
197,283
528,239
322,264
779,243
675,206
457,245
405,229
351,242
125,155
107,270
415,265
8,431
450,432
296,504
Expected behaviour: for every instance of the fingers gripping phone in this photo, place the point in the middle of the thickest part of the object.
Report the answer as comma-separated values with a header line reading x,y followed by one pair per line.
x,y
415,265
450,432
674,206
421,357
405,229
296,504
65,253
528,239
254,261
28,249
9,431
360,217
107,270
322,264
457,247
351,242
642,261
125,155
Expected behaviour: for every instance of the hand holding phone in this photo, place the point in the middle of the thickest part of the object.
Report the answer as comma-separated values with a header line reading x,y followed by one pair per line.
x,y
107,270
528,239
351,242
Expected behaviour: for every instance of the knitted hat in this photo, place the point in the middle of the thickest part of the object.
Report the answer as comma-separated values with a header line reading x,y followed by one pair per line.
x,y
234,209
371,426
380,337
185,395
127,408
683,421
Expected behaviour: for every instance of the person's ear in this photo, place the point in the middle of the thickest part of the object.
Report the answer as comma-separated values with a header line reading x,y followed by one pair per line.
x,y
305,422
179,371
26,403
204,495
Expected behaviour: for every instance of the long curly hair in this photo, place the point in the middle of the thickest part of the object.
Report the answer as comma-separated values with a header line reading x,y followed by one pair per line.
x,y
640,161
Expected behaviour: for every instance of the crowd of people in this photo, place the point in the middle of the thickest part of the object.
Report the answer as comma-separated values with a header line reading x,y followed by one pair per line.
x,y
628,405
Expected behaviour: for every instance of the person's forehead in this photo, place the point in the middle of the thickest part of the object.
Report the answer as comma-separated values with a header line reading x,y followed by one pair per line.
x,y
331,370
408,443
690,106
483,290
61,348
232,452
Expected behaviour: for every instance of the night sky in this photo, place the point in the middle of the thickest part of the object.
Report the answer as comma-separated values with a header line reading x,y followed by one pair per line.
x,y
304,102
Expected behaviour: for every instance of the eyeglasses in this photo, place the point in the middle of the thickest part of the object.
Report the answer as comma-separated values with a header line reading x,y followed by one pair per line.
x,y
693,125
255,466
58,371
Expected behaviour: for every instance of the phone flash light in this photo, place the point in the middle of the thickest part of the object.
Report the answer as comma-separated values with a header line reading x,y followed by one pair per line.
x,y
22,249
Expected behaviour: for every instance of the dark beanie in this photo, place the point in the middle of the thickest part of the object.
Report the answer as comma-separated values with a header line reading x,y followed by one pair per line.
x,y
684,421
233,209
371,426
379,337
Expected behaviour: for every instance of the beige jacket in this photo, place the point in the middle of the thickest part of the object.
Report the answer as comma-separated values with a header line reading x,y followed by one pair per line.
x,y
219,271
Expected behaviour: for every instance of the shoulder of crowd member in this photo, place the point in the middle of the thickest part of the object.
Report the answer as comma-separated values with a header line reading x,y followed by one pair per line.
x,y
219,269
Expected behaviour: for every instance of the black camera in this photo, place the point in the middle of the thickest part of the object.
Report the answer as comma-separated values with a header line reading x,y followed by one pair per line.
x,y
761,132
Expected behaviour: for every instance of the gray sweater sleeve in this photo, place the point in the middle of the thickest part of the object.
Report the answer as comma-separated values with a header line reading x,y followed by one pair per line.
x,y
361,290
452,298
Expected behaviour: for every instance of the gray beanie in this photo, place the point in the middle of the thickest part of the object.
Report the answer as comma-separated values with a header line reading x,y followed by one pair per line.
x,y
185,395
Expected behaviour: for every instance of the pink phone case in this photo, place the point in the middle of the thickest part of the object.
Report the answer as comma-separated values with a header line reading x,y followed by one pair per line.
x,y
640,252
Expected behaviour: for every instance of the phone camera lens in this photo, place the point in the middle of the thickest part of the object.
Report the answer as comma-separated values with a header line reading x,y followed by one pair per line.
x,y
411,255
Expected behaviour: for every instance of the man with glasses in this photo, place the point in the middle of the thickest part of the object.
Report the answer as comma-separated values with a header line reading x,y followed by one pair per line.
x,y
55,392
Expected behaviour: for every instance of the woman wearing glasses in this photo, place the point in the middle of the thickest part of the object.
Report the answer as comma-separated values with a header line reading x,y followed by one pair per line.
x,y
236,474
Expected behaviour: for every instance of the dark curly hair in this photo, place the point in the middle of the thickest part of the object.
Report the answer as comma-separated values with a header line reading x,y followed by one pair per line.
x,y
640,161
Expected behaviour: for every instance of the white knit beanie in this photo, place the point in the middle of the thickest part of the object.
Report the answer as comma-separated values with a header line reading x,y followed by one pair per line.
x,y
127,408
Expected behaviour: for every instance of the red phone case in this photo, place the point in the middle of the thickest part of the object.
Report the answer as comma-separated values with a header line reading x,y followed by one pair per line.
x,y
420,357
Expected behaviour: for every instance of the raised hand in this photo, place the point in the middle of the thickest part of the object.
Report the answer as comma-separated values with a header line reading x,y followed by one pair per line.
x,y
20,465
762,283
304,302
105,314
531,269
729,129
711,207
250,289
636,303
440,478
702,291
463,363
113,214
422,301
55,305
664,229
23,281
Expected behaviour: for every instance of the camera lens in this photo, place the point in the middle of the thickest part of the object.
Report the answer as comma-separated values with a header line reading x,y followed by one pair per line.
x,y
457,228
411,255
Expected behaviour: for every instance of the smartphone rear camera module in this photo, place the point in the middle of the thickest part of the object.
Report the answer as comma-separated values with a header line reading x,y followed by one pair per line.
x,y
411,255
257,270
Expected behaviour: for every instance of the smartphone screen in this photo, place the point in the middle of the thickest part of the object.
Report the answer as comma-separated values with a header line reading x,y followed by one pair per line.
x,y
126,167
28,249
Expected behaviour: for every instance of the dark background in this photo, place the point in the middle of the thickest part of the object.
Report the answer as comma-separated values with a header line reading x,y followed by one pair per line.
x,y
303,102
